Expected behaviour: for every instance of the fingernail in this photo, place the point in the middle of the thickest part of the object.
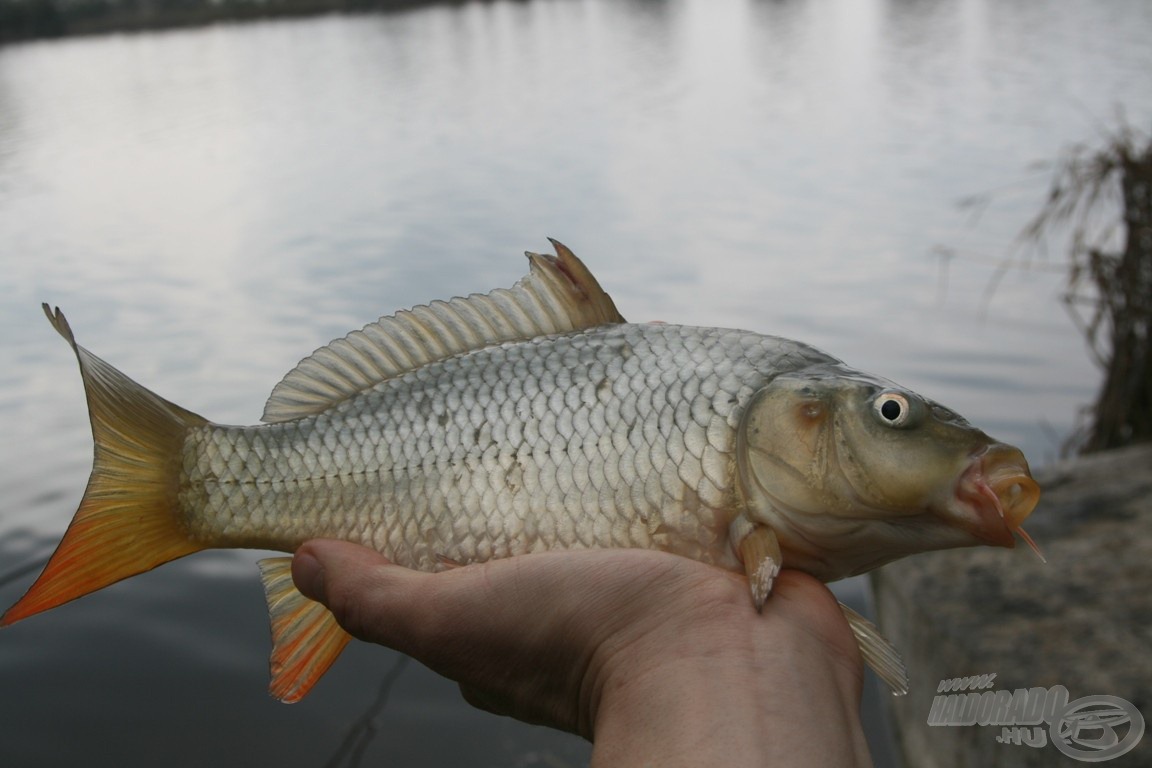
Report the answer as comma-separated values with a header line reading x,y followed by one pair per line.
x,y
308,574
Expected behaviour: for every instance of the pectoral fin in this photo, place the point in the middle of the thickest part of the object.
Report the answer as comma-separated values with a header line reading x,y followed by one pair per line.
x,y
878,652
305,636
760,553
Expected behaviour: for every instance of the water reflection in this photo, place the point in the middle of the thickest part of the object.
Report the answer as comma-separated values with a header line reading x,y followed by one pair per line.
x,y
210,205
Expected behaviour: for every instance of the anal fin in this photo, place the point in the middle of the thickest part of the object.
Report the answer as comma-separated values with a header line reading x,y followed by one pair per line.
x,y
878,652
305,636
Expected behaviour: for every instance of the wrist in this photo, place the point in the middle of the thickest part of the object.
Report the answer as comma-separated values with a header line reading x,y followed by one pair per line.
x,y
725,683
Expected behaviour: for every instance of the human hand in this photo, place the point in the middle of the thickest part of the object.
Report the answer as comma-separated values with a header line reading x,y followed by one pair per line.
x,y
654,657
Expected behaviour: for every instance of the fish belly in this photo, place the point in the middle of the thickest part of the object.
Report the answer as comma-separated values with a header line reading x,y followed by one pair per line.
x,y
620,436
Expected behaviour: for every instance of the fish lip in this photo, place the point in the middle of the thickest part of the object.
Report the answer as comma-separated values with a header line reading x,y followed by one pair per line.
x,y
996,493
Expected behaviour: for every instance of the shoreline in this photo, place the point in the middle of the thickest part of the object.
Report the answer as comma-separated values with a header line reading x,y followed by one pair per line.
x,y
34,20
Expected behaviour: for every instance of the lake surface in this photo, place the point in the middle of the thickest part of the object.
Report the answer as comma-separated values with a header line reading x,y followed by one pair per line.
x,y
210,205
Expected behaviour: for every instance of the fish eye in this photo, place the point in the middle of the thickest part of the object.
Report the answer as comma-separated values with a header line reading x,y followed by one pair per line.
x,y
893,408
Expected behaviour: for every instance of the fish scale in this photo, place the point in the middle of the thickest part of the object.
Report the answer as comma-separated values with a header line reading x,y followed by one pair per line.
x,y
596,431
527,419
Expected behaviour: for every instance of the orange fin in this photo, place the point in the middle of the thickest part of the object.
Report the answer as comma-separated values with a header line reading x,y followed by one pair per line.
x,y
127,522
305,636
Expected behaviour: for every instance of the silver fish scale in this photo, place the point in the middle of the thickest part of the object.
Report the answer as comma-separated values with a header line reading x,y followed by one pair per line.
x,y
618,436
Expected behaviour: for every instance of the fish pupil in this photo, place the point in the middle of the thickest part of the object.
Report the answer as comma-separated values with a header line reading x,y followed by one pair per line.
x,y
890,410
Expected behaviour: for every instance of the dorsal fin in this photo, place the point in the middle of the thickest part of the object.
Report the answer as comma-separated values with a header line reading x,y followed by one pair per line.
x,y
558,295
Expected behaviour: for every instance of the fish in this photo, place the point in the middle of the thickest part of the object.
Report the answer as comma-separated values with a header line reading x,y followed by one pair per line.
x,y
528,419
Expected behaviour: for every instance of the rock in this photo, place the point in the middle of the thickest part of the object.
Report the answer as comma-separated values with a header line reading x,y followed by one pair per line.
x,y
1083,621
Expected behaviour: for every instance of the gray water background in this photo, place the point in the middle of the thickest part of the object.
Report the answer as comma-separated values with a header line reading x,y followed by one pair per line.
x,y
209,205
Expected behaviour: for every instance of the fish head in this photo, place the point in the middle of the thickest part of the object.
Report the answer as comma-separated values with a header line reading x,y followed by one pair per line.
x,y
852,471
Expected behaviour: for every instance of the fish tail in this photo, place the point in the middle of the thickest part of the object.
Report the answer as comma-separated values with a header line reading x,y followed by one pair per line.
x,y
128,521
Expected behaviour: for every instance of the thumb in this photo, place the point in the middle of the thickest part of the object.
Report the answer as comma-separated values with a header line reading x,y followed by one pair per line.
x,y
359,585
315,559
376,600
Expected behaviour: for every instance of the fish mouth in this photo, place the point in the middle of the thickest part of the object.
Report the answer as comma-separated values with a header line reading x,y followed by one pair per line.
x,y
998,489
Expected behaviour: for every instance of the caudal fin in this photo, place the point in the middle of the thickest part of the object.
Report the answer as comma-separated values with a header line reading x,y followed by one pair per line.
x,y
127,522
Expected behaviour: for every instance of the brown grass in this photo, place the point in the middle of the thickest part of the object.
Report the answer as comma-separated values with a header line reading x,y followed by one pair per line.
x,y
1109,292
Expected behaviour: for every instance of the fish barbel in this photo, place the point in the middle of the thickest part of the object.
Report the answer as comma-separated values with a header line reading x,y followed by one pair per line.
x,y
529,419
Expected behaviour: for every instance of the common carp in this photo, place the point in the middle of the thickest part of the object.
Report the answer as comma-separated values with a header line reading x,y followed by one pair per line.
x,y
529,419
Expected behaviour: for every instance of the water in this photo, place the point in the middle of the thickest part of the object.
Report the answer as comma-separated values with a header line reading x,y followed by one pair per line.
x,y
209,205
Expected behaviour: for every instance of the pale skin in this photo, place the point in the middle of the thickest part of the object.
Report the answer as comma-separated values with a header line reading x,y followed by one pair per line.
x,y
657,659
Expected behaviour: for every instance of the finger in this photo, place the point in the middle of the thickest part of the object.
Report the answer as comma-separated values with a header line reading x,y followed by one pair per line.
x,y
359,585
810,603
425,615
314,558
810,607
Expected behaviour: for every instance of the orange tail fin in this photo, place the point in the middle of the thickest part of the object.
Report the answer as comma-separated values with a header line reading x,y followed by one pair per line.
x,y
127,522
